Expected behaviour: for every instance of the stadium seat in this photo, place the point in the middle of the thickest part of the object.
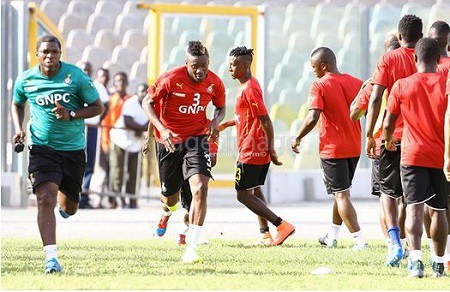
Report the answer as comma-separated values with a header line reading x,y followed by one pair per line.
x,y
108,8
125,55
283,112
304,85
96,55
235,26
326,18
241,40
79,39
73,55
68,22
273,90
439,11
295,24
209,25
134,38
289,97
177,55
115,67
53,9
384,18
348,61
130,8
132,85
144,55
96,22
125,22
186,36
301,42
287,72
139,71
106,39
180,24
351,20
81,8
328,39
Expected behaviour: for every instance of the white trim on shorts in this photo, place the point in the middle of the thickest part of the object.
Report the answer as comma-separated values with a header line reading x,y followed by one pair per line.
x,y
250,189
423,202
395,198
341,190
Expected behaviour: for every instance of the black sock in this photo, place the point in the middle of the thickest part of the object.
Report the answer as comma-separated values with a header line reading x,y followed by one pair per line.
x,y
277,222
264,230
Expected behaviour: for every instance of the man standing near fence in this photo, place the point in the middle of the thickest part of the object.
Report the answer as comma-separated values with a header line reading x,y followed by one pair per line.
x,y
176,106
57,93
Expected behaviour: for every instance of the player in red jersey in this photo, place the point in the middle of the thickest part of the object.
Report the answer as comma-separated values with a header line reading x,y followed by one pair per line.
x,y
255,145
340,139
392,66
440,31
420,100
181,96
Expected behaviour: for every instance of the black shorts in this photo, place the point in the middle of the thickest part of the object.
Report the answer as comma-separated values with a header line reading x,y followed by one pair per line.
x,y
338,173
190,157
390,180
376,177
425,185
250,176
186,195
64,168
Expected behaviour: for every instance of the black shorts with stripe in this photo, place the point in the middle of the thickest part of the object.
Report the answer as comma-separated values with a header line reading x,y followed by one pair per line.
x,y
338,173
250,176
190,157
390,178
425,185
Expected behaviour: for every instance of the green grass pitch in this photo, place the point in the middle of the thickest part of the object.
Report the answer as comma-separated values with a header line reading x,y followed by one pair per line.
x,y
228,264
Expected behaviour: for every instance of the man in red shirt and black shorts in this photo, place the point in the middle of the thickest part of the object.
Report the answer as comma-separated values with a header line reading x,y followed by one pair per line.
x,y
176,106
420,100
340,139
255,145
392,66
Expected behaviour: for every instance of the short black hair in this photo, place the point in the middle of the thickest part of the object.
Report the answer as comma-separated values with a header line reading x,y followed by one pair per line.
x,y
123,74
442,30
196,48
325,55
427,50
410,27
242,51
393,44
48,39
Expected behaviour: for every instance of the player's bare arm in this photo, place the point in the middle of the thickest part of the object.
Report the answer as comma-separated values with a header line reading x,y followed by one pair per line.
x,y
309,124
267,125
447,143
372,116
213,128
146,144
166,134
226,124
92,110
18,114
388,130
355,112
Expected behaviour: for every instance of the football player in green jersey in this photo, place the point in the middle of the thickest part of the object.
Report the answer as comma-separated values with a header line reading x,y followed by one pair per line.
x,y
61,96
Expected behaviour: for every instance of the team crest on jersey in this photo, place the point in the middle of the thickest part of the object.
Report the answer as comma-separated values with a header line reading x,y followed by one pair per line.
x,y
210,88
68,79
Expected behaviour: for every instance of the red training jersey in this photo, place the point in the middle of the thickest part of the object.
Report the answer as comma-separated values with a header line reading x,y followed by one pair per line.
x,y
393,66
340,137
181,103
251,137
444,66
420,99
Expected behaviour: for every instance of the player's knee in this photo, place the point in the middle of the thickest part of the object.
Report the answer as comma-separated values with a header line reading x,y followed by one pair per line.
x,y
46,199
242,197
201,190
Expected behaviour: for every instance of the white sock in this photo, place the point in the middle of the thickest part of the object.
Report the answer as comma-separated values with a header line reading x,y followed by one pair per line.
x,y
431,246
194,235
439,259
403,241
415,255
51,251
334,231
388,242
359,238
167,213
